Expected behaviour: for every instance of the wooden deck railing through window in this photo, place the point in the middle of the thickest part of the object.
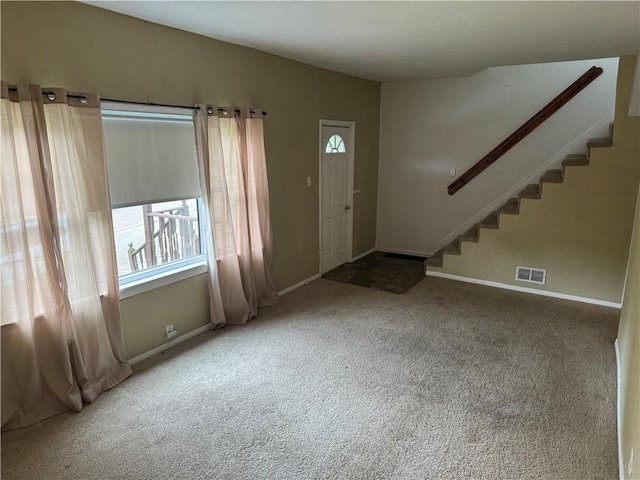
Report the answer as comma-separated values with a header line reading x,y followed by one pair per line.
x,y
169,235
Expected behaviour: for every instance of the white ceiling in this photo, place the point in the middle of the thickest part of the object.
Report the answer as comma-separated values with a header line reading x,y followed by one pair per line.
x,y
402,40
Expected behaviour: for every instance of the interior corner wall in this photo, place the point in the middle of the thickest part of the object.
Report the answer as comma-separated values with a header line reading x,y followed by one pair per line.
x,y
83,48
629,342
429,127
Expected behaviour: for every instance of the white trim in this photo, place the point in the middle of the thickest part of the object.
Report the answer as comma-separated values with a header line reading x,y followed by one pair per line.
x,y
168,345
619,412
350,179
299,284
362,255
404,252
165,278
350,189
532,177
534,291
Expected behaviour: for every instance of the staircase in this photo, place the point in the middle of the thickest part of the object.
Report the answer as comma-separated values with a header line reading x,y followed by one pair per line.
x,y
512,206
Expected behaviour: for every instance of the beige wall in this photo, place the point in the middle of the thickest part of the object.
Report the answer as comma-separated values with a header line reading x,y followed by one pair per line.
x,y
579,231
83,48
629,347
184,304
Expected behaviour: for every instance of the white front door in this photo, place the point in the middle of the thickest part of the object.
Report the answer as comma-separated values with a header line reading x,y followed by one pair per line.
x,y
335,204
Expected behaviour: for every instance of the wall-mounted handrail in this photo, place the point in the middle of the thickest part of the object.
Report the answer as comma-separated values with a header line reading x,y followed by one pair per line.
x,y
530,125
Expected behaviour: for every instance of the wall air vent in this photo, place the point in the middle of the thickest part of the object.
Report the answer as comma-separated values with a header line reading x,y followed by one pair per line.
x,y
531,275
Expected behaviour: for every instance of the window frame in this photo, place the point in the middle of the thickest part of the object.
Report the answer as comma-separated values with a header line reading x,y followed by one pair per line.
x,y
180,270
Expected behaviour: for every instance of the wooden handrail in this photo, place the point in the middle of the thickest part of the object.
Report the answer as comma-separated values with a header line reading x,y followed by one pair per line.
x,y
172,216
529,126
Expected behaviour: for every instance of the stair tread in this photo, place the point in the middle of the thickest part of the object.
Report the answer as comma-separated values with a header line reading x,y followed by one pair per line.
x,y
552,176
510,207
453,247
471,235
530,191
435,260
575,161
599,142
490,221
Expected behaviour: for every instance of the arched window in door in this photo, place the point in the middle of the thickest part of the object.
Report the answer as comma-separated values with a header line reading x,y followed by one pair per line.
x,y
335,145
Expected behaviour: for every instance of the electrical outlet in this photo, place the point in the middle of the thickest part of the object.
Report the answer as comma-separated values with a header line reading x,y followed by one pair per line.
x,y
452,172
171,334
308,181
630,467
169,331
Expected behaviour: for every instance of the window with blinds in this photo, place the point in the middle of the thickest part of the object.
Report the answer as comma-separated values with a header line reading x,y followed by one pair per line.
x,y
154,186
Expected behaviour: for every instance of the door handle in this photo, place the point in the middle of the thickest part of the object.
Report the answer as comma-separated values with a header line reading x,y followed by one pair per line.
x,y
347,207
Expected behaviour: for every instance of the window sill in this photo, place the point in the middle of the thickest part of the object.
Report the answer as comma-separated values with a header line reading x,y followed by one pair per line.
x,y
161,279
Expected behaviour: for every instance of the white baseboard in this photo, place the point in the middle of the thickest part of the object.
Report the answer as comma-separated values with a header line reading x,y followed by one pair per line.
x,y
362,255
533,177
534,291
168,345
404,252
619,412
299,284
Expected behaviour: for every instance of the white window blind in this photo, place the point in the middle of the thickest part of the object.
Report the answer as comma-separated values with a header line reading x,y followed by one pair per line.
x,y
151,155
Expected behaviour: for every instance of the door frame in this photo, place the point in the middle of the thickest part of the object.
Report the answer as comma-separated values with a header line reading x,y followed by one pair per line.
x,y
350,179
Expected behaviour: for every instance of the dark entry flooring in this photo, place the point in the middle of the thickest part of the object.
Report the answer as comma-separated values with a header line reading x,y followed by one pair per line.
x,y
390,272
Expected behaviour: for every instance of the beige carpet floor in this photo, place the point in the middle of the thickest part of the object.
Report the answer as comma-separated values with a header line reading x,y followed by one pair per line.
x,y
450,381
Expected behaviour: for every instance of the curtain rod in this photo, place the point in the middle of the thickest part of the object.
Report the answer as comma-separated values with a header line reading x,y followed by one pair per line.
x,y
151,104
192,107
70,95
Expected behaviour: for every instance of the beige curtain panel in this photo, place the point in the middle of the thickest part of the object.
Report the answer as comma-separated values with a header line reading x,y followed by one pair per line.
x,y
62,341
234,175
